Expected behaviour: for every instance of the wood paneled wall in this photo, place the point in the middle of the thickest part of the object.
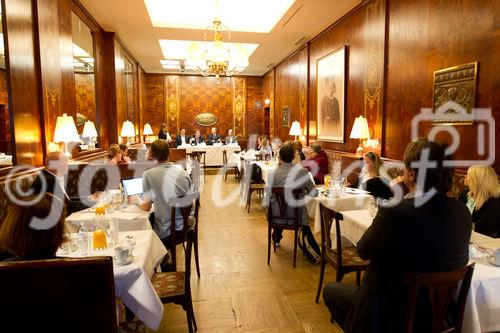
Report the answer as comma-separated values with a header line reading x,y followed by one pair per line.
x,y
176,100
85,95
393,48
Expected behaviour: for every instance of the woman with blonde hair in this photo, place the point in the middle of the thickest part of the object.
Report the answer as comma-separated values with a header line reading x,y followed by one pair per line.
x,y
115,154
485,193
375,178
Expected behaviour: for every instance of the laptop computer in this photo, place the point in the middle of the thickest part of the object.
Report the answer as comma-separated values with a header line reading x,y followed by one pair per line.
x,y
133,186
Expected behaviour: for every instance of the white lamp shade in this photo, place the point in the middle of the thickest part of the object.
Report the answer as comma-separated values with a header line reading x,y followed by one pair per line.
x,y
147,129
89,130
65,130
128,129
360,129
295,129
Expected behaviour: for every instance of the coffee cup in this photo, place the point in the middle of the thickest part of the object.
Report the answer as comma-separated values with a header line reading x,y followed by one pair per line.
x,y
121,254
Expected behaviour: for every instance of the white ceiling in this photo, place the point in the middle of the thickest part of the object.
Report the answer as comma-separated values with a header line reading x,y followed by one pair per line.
x,y
303,20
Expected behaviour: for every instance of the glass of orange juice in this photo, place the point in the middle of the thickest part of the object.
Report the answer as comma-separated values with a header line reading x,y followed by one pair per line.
x,y
327,181
99,240
100,210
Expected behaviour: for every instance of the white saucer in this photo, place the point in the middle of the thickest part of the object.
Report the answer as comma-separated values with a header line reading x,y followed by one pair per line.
x,y
491,260
128,261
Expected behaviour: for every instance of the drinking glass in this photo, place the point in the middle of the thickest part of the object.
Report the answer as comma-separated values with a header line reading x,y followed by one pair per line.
x,y
99,241
372,207
113,230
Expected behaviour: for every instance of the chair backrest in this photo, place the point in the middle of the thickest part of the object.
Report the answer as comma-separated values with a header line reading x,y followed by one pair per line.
x,y
58,295
184,205
327,217
280,194
441,289
187,259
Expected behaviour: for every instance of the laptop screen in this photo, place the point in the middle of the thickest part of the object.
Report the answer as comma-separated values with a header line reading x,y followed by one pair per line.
x,y
132,186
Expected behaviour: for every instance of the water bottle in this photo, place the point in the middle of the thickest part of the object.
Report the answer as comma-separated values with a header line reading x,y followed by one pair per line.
x,y
124,198
83,240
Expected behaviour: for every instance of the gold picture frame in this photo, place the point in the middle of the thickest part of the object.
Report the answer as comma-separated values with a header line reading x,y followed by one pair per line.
x,y
454,94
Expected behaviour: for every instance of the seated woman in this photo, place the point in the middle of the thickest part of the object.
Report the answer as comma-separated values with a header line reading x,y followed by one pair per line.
x,y
374,177
115,154
298,147
485,194
265,147
125,157
35,229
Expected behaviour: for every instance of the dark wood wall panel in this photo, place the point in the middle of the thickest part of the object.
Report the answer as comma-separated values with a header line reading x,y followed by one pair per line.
x,y
290,91
154,101
421,43
255,106
5,138
199,94
23,77
356,32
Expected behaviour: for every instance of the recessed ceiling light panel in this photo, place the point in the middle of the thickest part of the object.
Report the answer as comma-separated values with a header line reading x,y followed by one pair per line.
x,y
180,49
239,15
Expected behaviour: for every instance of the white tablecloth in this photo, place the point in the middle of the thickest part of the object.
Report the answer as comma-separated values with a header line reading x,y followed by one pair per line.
x,y
133,281
132,218
5,159
482,310
213,154
349,201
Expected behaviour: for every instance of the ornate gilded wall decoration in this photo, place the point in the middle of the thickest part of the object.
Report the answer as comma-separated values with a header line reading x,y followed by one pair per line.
x,y
454,94
206,119
303,103
172,106
304,67
239,105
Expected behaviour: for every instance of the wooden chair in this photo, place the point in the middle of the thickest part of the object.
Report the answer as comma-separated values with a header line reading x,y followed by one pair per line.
x,y
279,195
175,287
198,158
343,259
183,205
58,295
226,166
441,289
250,185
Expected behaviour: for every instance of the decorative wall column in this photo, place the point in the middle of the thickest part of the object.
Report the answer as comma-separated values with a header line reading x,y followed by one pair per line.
x,y
238,96
172,106
271,104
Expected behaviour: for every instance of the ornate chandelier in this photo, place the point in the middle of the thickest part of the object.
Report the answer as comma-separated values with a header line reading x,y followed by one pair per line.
x,y
216,57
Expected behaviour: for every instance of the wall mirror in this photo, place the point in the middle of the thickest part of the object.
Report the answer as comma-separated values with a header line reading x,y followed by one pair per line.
x,y
6,153
84,69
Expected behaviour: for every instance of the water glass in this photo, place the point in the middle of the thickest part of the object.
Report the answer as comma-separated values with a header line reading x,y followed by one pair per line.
x,y
113,230
372,207
343,186
130,240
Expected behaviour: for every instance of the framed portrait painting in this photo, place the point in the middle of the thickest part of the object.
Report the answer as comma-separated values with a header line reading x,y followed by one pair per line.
x,y
330,77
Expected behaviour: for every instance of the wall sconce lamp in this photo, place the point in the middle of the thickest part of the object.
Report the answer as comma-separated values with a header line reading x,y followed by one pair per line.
x,y
360,131
89,131
147,131
295,129
128,131
66,132
267,101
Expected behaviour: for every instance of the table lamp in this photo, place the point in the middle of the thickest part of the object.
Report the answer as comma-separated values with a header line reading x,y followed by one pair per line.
x,y
295,129
128,130
89,131
147,131
66,132
360,131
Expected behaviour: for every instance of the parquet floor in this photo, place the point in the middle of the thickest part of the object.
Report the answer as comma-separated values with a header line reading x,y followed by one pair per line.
x,y
237,291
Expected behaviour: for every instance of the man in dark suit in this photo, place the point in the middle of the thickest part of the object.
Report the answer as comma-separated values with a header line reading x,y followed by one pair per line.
x,y
197,138
181,139
213,137
51,180
426,232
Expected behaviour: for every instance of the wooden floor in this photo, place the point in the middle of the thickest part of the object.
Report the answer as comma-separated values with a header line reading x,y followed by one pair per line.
x,y
238,291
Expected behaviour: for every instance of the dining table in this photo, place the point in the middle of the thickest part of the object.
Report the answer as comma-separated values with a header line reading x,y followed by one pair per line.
x,y
482,309
133,279
130,218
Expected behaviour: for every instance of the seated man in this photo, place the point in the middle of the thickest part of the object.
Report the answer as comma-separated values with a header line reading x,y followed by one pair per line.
x,y
316,163
292,175
181,139
213,137
161,183
426,232
230,138
51,180
197,138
